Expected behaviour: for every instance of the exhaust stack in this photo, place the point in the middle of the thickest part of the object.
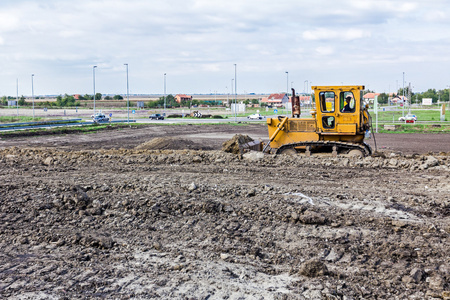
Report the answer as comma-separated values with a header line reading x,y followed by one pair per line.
x,y
295,105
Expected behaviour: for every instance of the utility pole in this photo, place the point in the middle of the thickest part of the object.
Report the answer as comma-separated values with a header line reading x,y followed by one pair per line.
x,y
128,98
235,92
17,95
403,100
409,98
164,94
32,92
93,76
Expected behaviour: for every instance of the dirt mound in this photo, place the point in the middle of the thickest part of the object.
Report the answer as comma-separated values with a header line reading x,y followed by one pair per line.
x,y
232,145
171,144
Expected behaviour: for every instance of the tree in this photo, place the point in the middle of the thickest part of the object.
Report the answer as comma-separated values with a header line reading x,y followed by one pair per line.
x,y
98,96
66,101
170,101
431,93
107,98
383,98
118,97
22,101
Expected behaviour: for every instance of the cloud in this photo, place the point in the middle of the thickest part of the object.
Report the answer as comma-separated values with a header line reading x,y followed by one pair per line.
x,y
200,40
331,34
324,50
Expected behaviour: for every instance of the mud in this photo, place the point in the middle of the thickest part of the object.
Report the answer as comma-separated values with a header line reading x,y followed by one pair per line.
x,y
89,217
172,144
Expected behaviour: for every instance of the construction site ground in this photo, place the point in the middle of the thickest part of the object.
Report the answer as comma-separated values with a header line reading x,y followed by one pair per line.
x,y
162,212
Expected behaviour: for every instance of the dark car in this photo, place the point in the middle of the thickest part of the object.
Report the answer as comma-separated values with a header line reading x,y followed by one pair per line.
x,y
156,117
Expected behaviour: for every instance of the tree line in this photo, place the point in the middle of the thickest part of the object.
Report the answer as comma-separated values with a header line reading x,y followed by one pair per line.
x,y
61,101
436,95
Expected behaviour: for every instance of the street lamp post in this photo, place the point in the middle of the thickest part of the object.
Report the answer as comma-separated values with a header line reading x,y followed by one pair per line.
x,y
403,100
128,98
232,90
287,83
164,94
17,95
232,93
228,96
32,92
235,92
93,78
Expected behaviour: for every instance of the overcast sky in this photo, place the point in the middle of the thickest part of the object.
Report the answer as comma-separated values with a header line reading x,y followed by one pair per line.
x,y
197,42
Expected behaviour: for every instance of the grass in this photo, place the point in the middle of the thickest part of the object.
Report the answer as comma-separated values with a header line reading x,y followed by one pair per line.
x,y
13,119
36,122
417,128
422,115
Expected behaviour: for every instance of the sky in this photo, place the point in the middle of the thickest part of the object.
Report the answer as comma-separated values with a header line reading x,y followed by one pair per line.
x,y
197,44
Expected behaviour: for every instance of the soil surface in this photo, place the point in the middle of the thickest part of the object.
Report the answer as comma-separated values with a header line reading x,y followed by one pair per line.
x,y
212,137
161,212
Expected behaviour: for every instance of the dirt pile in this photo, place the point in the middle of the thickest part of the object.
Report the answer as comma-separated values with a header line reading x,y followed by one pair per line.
x,y
137,223
234,145
171,144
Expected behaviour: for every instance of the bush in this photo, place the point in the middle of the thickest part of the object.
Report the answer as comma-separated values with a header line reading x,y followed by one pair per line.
x,y
174,116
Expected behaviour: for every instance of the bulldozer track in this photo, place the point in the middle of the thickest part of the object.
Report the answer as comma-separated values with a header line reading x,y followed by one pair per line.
x,y
364,148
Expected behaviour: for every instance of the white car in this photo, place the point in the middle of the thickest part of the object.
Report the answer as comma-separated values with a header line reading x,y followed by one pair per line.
x,y
99,117
255,117
408,118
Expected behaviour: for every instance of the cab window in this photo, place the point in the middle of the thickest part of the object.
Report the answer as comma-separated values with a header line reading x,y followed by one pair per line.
x,y
347,102
327,101
328,122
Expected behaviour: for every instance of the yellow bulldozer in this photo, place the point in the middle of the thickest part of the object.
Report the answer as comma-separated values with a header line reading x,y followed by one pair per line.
x,y
338,125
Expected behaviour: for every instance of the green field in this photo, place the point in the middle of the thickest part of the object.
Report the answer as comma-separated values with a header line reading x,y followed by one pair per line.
x,y
17,119
417,128
422,115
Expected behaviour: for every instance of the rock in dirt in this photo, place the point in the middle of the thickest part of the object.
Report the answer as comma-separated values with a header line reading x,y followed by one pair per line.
x,y
48,161
313,268
311,217
253,156
192,187
232,146
436,282
80,197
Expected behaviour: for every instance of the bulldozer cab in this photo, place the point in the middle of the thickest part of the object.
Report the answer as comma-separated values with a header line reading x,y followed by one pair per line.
x,y
338,109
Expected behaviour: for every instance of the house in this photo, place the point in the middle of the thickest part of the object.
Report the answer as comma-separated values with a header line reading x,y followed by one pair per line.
x,y
276,99
182,97
370,97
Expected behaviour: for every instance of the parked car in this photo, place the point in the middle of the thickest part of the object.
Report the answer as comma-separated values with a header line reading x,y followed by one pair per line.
x,y
255,117
408,118
99,117
156,117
